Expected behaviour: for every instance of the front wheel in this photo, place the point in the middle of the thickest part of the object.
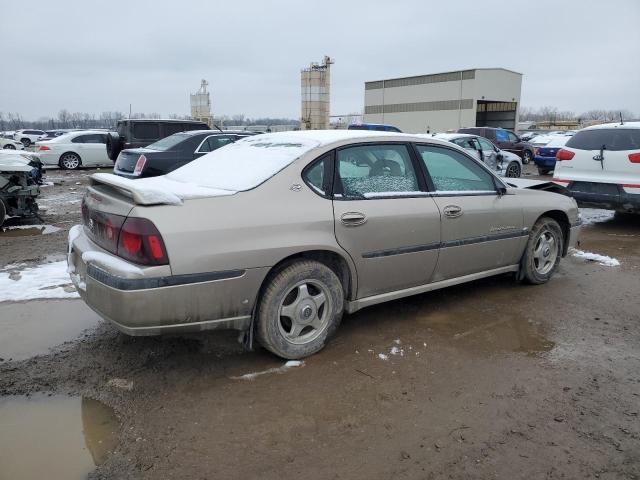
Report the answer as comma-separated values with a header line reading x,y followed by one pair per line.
x,y
70,161
300,309
9,146
513,170
526,157
543,252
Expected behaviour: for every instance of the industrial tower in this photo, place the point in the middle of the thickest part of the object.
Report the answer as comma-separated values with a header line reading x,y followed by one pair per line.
x,y
316,83
201,105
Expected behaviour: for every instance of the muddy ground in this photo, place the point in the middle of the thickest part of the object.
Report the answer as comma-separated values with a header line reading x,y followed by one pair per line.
x,y
486,380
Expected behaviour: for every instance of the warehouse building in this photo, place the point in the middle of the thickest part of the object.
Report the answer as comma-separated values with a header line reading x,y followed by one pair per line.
x,y
445,101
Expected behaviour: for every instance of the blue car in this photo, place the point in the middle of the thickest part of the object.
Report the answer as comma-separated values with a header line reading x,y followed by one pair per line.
x,y
545,153
378,127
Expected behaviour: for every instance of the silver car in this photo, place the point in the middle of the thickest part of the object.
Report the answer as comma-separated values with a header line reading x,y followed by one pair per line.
x,y
279,234
505,164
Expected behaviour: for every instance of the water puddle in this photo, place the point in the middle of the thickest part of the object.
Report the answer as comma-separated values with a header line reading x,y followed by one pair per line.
x,y
32,328
28,230
54,437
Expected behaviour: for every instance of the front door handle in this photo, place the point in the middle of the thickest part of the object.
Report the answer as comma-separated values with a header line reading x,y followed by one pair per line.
x,y
452,211
353,219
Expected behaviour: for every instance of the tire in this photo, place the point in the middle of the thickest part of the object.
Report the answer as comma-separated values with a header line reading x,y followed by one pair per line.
x,y
3,212
543,171
526,156
541,258
114,145
299,310
70,161
513,170
9,146
25,141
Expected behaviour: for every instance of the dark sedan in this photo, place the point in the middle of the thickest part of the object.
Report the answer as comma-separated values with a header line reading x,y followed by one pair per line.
x,y
172,152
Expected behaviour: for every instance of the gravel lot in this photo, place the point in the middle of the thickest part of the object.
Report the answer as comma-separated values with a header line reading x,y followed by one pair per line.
x,y
485,380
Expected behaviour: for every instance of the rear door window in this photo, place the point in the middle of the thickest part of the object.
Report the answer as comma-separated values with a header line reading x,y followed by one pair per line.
x,y
502,136
146,131
613,139
371,171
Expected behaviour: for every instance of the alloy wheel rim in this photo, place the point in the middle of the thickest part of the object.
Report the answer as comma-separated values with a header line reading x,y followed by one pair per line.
x,y
512,171
70,161
545,252
304,312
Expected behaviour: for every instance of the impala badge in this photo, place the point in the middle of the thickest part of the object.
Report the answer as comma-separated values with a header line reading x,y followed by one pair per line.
x,y
296,187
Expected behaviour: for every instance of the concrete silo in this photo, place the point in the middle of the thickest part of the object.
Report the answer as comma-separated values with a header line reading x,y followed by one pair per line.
x,y
201,105
316,83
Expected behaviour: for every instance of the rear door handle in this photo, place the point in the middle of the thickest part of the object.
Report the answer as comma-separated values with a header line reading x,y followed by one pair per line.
x,y
353,219
452,211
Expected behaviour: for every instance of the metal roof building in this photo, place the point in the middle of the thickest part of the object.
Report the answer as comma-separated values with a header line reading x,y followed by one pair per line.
x,y
445,101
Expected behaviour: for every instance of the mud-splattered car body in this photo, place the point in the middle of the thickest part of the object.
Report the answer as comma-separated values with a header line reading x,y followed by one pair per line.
x,y
19,178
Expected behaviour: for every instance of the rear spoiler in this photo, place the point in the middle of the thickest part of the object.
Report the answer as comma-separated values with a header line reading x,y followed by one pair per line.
x,y
536,185
139,191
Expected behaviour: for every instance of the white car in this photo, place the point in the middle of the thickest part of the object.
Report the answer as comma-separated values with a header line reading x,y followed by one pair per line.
x,y
600,165
73,150
9,144
27,137
506,164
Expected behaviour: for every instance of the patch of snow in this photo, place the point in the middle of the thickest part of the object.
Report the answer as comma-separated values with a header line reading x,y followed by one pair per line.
x,y
46,229
591,216
114,264
382,356
596,257
282,369
49,280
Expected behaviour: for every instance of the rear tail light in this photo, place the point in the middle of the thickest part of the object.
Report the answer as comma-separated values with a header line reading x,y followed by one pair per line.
x,y
141,242
43,148
134,239
140,165
564,154
634,157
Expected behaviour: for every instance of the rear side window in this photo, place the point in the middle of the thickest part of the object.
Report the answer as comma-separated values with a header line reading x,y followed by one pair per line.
x,y
372,171
612,139
502,136
146,131
317,176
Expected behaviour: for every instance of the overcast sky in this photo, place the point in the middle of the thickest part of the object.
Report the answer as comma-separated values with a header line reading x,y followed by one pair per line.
x,y
94,56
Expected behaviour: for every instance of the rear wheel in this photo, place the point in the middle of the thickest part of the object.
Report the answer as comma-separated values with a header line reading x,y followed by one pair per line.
x,y
300,309
526,157
9,146
543,252
513,170
70,161
25,141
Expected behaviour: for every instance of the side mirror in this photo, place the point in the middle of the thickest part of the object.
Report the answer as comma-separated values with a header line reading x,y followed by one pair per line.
x,y
499,156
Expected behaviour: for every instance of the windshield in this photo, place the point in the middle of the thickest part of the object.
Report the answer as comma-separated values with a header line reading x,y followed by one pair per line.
x,y
168,143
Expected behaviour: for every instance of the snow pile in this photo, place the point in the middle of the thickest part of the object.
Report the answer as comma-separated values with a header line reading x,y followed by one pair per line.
x,y
595,257
49,280
290,364
591,216
245,164
44,229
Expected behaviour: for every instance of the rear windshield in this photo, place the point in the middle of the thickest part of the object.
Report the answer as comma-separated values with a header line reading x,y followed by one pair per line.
x,y
168,143
612,139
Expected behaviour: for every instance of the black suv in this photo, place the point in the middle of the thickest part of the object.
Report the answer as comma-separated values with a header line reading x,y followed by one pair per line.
x,y
135,133
172,152
505,140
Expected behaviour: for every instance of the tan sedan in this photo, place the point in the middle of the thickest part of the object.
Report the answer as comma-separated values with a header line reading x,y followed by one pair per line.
x,y
279,234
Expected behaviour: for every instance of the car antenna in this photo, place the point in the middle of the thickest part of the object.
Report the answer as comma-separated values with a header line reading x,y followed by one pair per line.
x,y
218,128
621,121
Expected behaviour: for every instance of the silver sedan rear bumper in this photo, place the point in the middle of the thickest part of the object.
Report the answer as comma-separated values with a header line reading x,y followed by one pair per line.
x,y
151,303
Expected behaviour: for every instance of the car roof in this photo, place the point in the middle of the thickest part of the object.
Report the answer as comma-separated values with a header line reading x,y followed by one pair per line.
x,y
163,120
217,132
453,136
614,125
